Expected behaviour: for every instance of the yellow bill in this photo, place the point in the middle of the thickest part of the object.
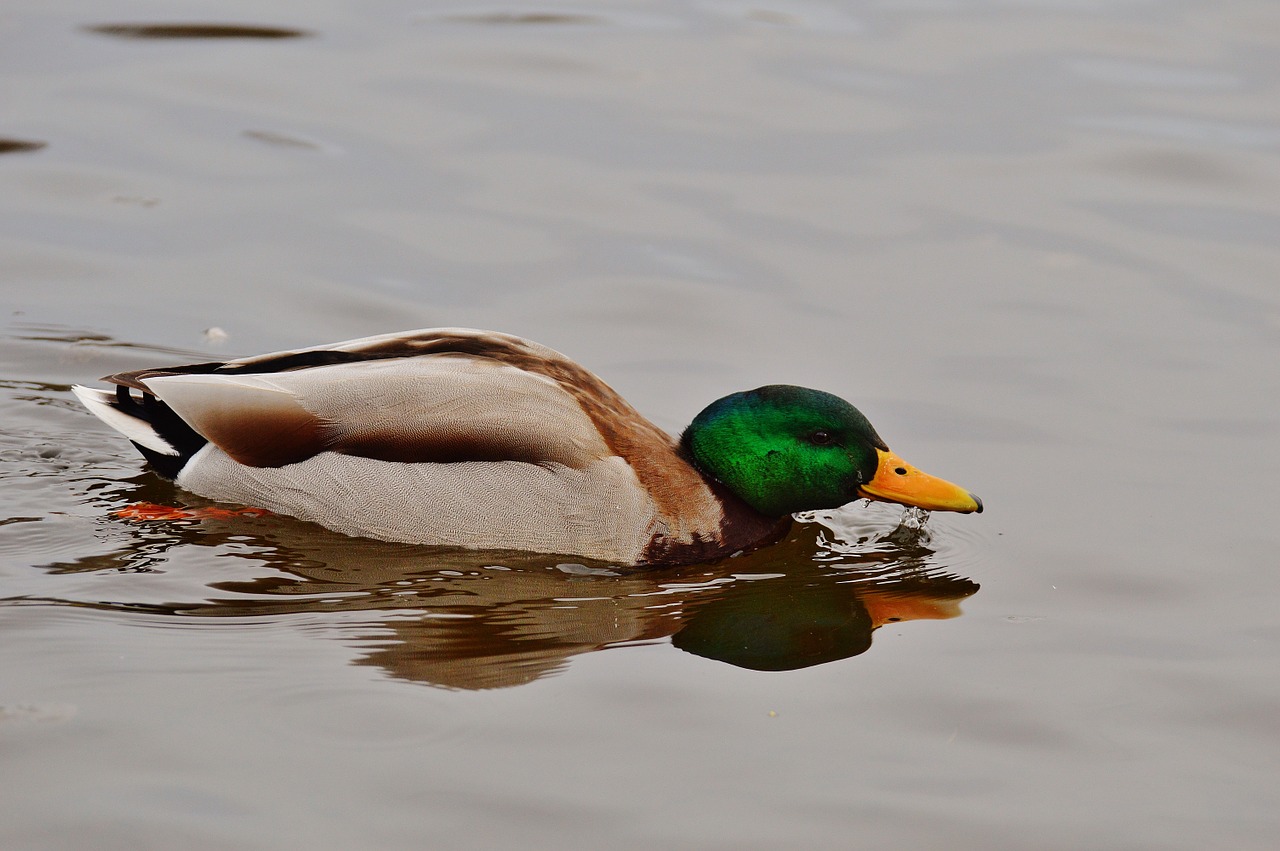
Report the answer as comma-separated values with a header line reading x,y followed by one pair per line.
x,y
897,481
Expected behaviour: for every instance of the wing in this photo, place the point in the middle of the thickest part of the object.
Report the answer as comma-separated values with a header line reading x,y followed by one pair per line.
x,y
435,407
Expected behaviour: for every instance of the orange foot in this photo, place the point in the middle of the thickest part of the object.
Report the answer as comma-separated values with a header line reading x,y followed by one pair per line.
x,y
142,511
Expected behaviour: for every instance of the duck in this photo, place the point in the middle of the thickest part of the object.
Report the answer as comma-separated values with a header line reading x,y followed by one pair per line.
x,y
457,437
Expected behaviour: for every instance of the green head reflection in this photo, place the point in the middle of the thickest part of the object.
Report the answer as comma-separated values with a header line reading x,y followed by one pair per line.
x,y
775,625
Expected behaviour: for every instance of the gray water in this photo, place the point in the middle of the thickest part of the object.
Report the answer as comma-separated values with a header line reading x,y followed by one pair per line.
x,y
1035,242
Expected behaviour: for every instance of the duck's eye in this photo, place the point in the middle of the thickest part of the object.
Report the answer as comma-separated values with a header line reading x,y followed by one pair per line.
x,y
822,438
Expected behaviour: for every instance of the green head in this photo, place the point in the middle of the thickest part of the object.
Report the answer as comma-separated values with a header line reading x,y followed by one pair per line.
x,y
784,449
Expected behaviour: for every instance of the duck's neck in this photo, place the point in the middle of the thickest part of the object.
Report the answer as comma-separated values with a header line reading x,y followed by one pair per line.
x,y
744,528
740,527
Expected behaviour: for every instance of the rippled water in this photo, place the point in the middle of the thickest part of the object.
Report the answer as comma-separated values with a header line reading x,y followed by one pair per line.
x,y
1034,242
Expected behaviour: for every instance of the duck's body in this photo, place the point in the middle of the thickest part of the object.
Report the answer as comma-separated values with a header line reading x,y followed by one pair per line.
x,y
449,437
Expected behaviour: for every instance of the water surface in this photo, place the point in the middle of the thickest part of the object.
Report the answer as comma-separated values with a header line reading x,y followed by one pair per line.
x,y
1034,243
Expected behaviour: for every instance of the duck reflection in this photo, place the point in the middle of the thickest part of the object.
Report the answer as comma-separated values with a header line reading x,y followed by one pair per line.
x,y
474,620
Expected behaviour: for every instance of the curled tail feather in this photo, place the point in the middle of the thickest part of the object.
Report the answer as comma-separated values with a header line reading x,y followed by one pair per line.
x,y
162,437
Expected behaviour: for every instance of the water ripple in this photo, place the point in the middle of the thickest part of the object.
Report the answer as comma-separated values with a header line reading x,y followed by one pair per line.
x,y
19,146
194,31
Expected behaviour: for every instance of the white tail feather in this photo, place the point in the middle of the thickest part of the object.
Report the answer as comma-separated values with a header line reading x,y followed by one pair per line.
x,y
103,406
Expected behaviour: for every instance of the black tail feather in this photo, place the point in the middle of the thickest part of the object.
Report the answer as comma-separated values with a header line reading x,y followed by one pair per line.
x,y
167,424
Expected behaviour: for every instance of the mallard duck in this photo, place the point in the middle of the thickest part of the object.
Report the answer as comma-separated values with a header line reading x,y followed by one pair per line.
x,y
465,438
